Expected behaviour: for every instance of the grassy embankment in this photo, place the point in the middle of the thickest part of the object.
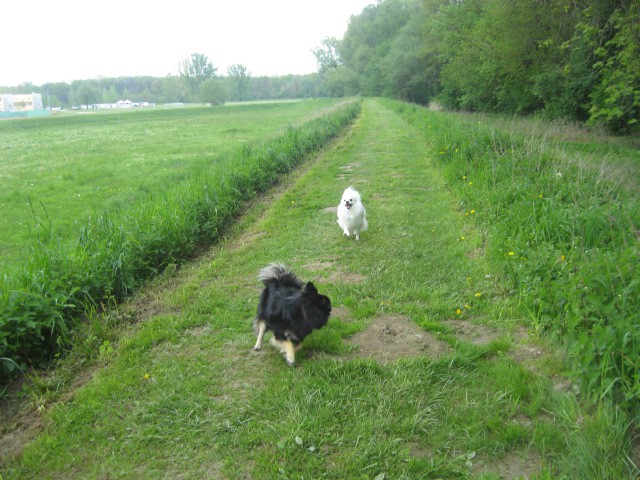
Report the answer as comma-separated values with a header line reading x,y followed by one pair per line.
x,y
562,221
83,164
179,393
74,271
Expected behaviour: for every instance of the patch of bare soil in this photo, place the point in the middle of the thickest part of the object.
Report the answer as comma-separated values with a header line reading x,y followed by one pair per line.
x,y
319,265
471,332
340,312
514,465
341,277
523,350
390,338
19,423
349,167
13,441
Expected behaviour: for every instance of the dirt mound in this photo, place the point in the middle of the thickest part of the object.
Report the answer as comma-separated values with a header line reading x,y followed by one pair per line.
x,y
390,338
472,332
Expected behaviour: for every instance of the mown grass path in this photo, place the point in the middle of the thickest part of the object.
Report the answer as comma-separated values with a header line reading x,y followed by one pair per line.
x,y
182,395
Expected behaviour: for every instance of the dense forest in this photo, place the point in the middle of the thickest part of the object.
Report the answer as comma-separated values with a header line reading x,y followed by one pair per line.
x,y
577,60
572,59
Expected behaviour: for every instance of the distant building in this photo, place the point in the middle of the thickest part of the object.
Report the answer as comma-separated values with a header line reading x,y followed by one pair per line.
x,y
118,104
6,102
20,102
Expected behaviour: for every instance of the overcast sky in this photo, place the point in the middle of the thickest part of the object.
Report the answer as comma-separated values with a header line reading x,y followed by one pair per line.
x,y
63,40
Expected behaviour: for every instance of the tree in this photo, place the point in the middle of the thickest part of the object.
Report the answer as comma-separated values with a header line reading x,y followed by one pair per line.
x,y
239,78
195,70
616,98
327,56
212,91
368,39
85,92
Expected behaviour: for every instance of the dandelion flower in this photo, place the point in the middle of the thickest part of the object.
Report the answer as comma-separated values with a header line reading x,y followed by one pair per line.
x,y
511,254
458,311
147,376
563,258
473,212
467,307
478,294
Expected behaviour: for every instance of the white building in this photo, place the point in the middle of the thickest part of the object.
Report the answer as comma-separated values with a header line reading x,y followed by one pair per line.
x,y
20,102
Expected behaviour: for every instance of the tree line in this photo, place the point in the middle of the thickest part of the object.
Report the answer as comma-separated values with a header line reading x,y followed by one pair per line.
x,y
577,60
198,81
570,59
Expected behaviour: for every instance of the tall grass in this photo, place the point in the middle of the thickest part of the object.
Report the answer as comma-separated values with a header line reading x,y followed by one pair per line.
x,y
563,232
118,250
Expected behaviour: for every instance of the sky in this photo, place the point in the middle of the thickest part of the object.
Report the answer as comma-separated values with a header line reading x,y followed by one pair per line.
x,y
45,41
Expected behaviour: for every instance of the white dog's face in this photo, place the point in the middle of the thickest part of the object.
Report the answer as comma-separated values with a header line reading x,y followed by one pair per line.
x,y
350,197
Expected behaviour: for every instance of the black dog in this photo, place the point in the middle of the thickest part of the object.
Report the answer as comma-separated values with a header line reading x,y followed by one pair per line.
x,y
289,309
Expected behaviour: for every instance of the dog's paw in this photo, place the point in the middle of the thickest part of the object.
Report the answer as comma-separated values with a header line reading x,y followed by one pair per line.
x,y
257,348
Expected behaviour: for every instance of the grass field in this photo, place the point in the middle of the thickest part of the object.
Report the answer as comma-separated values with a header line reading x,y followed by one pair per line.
x,y
107,256
73,166
429,367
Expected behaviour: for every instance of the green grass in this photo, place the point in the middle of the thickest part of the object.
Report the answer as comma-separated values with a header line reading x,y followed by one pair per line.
x,y
561,219
182,394
67,276
75,166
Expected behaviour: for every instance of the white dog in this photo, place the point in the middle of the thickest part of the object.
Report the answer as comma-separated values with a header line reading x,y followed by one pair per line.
x,y
351,214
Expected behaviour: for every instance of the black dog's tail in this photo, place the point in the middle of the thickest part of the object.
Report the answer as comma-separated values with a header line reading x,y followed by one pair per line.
x,y
278,273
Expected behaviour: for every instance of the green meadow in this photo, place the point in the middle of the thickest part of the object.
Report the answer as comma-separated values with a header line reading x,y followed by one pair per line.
x,y
482,328
108,254
63,169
